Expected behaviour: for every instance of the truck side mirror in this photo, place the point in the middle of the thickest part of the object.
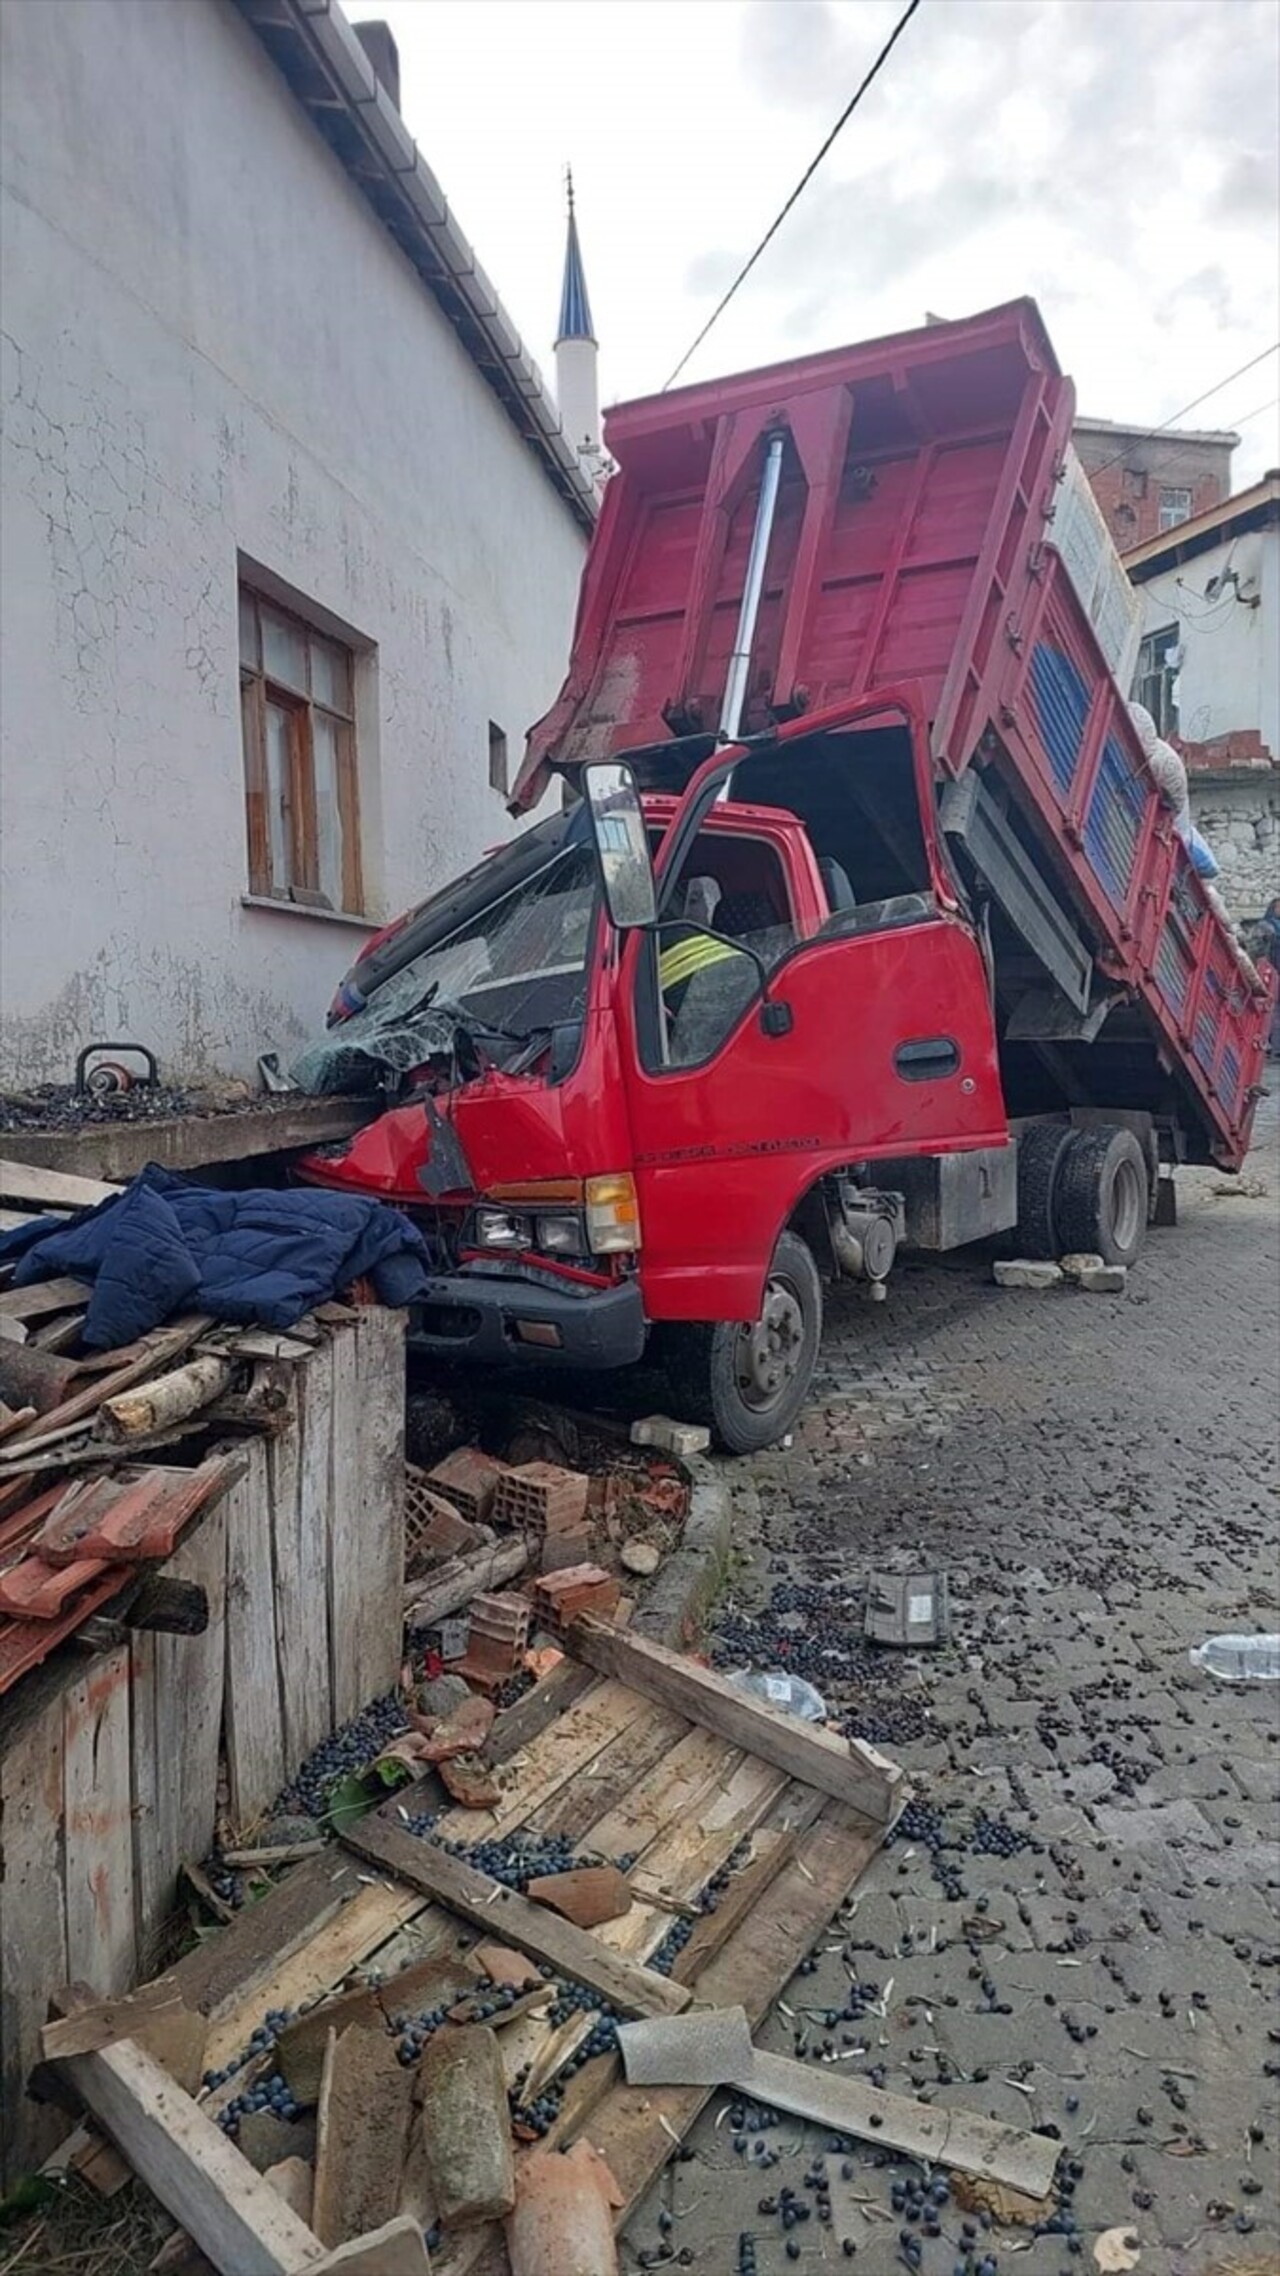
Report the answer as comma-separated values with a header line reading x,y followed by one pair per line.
x,y
622,844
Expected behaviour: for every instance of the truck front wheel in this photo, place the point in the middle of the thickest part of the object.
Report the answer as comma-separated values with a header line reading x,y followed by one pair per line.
x,y
1103,1194
747,1381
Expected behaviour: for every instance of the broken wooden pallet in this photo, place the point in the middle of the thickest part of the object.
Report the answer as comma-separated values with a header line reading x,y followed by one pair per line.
x,y
613,1771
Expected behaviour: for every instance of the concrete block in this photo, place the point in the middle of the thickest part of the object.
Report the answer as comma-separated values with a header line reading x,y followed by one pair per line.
x,y
1104,1279
680,1439
1079,1261
1026,1272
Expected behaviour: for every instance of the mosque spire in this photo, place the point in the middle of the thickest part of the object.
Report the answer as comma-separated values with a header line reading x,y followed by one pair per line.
x,y
575,307
577,382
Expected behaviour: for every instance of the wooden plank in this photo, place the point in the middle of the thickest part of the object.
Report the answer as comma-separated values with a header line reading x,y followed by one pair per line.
x,y
298,1481
192,1141
347,1545
379,1336
844,1768
361,1926
177,1713
155,2017
669,1800
229,1969
253,1713
33,1930
43,1296
565,1749
23,1181
649,1737
237,2219
102,1944
509,1918
60,1334
936,2134
517,1727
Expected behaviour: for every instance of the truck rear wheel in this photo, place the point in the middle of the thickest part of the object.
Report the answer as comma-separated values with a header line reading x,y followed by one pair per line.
x,y
1041,1150
1104,1195
748,1381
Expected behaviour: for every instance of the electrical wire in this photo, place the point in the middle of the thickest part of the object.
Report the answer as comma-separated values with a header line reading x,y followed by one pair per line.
x,y
807,176
1151,432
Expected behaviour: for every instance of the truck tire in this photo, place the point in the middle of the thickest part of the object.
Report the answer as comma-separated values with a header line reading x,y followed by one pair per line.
x,y
1103,1195
747,1383
1041,1151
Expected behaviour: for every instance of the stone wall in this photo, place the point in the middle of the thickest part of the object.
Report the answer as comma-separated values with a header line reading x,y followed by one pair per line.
x,y
1240,817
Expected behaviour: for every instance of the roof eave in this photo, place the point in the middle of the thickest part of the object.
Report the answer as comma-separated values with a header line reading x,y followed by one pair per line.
x,y
326,69
1258,508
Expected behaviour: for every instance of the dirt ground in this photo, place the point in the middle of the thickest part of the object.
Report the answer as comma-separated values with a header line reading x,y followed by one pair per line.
x,y
1097,1476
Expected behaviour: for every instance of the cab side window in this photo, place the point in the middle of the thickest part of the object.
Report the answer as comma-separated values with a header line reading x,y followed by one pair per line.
x,y
730,914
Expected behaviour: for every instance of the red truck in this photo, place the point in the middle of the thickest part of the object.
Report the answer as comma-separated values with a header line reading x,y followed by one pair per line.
x,y
868,930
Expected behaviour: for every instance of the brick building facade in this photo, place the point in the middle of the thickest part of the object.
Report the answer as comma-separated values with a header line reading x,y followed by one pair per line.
x,y
1147,484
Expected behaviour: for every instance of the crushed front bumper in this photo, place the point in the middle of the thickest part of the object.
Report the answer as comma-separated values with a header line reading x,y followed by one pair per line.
x,y
505,1321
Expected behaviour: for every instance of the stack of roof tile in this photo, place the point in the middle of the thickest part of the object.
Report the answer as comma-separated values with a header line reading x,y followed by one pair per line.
x,y
69,1550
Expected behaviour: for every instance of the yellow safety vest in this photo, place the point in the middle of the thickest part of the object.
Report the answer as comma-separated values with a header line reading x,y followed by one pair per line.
x,y
685,957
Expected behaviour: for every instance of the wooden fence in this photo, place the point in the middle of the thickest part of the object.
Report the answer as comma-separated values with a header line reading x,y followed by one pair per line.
x,y
110,1766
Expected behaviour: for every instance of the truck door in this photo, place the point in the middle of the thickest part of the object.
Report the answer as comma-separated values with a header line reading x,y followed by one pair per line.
x,y
830,1024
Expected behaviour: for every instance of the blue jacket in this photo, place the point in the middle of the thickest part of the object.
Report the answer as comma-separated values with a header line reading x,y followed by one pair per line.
x,y
164,1246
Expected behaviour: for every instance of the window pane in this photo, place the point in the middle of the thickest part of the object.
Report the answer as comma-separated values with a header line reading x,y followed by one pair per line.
x,y
330,675
284,650
249,631
279,794
324,750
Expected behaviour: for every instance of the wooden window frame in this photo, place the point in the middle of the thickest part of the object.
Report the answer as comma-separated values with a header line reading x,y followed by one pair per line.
x,y
1168,492
258,688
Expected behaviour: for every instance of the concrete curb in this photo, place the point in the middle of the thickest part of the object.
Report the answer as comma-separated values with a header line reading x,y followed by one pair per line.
x,y
688,1581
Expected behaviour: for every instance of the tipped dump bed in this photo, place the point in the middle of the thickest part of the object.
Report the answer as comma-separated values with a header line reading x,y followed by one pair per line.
x,y
931,536
904,459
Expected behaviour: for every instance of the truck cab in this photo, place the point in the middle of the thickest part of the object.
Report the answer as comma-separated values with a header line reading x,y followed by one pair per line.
x,y
863,925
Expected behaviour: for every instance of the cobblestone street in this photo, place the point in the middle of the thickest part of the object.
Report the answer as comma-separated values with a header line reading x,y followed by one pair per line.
x,y
1097,1956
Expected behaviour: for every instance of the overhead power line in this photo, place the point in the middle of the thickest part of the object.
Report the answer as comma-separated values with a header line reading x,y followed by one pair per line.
x,y
1150,433
807,176
1238,419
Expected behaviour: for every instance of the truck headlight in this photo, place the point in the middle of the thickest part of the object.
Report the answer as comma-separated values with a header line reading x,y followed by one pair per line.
x,y
500,1229
562,1234
613,1215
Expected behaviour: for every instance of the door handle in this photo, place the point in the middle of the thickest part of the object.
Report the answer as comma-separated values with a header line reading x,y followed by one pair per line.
x,y
927,1058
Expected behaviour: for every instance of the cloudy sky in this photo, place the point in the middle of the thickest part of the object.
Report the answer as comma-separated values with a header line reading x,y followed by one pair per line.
x,y
1115,158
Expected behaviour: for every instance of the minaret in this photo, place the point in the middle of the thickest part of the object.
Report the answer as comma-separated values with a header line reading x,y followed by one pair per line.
x,y
577,386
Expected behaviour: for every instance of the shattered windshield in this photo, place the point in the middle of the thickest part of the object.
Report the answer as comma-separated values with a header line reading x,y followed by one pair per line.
x,y
516,967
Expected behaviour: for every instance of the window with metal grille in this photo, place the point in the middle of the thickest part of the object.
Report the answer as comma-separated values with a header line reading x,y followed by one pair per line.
x,y
1175,507
1156,683
302,804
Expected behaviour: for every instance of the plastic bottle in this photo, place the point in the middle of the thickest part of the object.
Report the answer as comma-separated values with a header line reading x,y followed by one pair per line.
x,y
1240,1659
789,1692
